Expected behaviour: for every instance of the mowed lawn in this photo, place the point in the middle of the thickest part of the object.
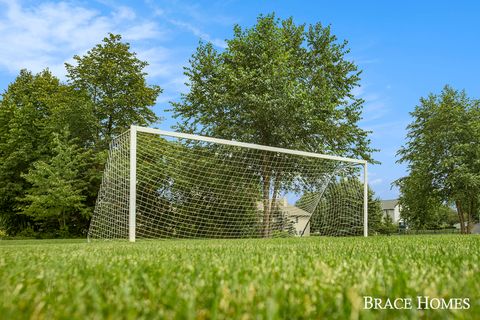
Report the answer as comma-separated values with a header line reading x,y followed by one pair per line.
x,y
310,278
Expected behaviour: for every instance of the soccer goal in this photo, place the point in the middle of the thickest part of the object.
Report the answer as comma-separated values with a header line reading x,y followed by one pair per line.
x,y
161,184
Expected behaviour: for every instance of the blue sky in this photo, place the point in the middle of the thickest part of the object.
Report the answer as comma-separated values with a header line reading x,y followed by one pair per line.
x,y
405,49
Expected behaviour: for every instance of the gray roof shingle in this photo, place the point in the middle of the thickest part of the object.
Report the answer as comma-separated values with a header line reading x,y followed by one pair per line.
x,y
388,204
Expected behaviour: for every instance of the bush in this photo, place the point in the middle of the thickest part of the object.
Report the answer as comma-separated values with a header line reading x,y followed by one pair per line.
x,y
387,226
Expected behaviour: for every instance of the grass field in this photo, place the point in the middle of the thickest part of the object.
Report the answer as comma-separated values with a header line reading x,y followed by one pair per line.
x,y
245,279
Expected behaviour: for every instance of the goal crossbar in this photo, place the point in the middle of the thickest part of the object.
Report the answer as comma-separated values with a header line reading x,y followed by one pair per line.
x,y
245,145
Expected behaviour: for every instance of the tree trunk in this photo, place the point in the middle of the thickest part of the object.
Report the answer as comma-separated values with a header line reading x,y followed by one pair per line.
x,y
467,225
95,110
276,189
473,210
460,216
62,223
109,129
266,205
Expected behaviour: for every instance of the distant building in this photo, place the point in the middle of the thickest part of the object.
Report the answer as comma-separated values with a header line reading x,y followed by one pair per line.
x,y
391,208
475,228
295,216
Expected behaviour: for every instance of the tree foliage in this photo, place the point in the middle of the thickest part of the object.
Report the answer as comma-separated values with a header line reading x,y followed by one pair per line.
x,y
276,84
32,108
114,79
182,205
421,209
106,93
58,184
340,209
443,157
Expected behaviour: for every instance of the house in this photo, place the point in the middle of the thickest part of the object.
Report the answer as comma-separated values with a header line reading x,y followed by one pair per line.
x,y
475,228
297,218
391,208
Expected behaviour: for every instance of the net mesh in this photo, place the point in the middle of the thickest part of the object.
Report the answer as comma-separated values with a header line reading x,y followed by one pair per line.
x,y
198,189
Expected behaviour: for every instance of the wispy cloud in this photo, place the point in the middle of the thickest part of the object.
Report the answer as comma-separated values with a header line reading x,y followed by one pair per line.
x,y
161,61
388,132
197,32
196,17
377,181
375,107
39,35
47,34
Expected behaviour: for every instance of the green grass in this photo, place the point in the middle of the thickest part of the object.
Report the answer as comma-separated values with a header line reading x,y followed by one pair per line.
x,y
246,279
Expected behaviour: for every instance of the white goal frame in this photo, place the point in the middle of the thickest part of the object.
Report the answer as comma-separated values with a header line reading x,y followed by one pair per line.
x,y
133,167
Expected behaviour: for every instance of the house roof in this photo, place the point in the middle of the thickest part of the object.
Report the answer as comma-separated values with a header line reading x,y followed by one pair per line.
x,y
290,210
389,204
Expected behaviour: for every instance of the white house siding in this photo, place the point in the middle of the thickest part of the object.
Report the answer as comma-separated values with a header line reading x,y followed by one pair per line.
x,y
396,214
298,217
299,223
392,209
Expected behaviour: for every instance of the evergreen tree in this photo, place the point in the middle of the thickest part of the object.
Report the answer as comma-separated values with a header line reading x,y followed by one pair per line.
x,y
33,108
58,184
106,94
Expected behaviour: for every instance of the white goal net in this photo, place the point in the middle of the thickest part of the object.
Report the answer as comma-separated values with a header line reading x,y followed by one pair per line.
x,y
160,184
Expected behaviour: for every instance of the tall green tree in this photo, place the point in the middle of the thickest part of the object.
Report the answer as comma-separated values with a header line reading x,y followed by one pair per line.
x,y
422,208
32,108
106,93
443,157
114,78
58,184
276,84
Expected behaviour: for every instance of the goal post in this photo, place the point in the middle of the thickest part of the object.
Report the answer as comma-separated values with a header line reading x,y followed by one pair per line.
x,y
162,184
132,202
365,199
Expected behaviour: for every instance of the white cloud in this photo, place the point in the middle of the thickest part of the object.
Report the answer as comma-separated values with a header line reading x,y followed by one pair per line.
x,y
177,84
143,31
125,13
199,33
375,107
47,34
160,61
375,181
358,91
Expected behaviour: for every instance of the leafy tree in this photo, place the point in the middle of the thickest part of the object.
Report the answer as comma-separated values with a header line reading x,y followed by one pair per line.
x,y
107,93
421,209
340,209
57,184
375,213
31,110
442,153
276,84
114,78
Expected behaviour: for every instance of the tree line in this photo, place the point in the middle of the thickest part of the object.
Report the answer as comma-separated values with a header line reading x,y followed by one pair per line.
x,y
54,136
276,83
